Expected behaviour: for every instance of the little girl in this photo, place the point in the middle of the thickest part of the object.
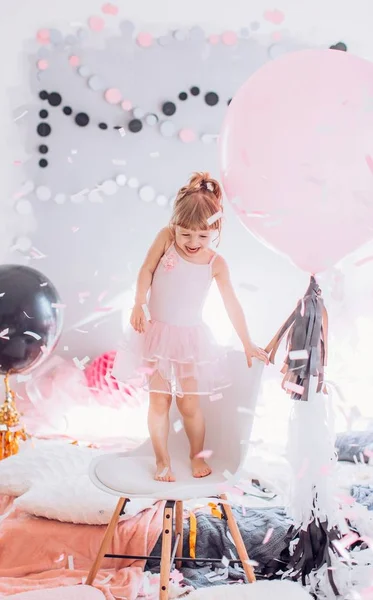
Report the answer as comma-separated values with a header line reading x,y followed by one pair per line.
x,y
168,344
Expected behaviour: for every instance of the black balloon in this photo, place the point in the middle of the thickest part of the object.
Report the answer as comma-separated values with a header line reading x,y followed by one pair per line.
x,y
28,318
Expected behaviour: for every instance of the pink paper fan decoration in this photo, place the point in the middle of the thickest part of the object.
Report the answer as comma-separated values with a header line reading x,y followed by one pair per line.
x,y
229,38
113,96
99,379
43,64
187,135
96,23
43,36
74,61
145,39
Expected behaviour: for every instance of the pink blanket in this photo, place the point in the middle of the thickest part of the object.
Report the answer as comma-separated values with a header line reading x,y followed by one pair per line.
x,y
34,552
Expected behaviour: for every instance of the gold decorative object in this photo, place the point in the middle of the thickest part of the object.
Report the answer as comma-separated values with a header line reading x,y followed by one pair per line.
x,y
11,431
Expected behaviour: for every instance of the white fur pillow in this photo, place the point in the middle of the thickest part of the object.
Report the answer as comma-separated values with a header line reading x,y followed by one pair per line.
x,y
51,480
261,590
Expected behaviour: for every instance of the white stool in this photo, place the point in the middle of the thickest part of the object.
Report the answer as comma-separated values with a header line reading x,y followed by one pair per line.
x,y
131,474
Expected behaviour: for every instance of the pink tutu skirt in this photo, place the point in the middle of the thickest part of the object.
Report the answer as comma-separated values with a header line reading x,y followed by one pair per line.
x,y
172,359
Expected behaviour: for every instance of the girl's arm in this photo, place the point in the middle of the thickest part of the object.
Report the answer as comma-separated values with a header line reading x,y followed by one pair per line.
x,y
145,277
235,312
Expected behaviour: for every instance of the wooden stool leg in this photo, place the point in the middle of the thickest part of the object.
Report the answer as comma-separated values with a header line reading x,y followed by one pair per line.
x,y
238,541
109,534
166,550
179,530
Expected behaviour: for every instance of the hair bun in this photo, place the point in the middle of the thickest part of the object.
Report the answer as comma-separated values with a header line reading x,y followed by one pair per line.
x,y
203,181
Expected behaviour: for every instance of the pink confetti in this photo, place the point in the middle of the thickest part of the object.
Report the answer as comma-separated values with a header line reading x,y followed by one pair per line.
x,y
204,454
293,387
113,96
43,65
214,39
268,535
274,16
229,38
102,296
187,135
74,229
58,305
346,499
43,36
369,161
35,253
96,23
126,105
110,9
363,261
74,60
145,39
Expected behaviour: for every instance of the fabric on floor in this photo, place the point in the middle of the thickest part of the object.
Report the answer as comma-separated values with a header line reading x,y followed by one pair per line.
x,y
39,553
363,494
213,541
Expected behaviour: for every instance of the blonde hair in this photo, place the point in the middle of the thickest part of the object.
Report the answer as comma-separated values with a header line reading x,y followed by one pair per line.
x,y
197,202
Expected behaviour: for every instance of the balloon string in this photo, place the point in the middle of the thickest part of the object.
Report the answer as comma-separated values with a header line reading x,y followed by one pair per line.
x,y
11,432
307,345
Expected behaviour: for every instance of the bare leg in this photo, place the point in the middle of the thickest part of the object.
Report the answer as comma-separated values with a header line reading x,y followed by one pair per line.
x,y
194,424
159,424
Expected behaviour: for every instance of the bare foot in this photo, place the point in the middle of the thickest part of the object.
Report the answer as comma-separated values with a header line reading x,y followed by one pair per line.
x,y
164,473
200,468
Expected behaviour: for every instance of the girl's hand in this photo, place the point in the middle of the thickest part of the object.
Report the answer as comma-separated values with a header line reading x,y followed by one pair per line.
x,y
138,319
253,351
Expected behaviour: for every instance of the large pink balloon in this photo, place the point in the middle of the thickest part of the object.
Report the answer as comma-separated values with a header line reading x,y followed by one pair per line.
x,y
297,156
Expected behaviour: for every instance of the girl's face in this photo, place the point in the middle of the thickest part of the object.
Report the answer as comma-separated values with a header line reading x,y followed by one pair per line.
x,y
192,242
